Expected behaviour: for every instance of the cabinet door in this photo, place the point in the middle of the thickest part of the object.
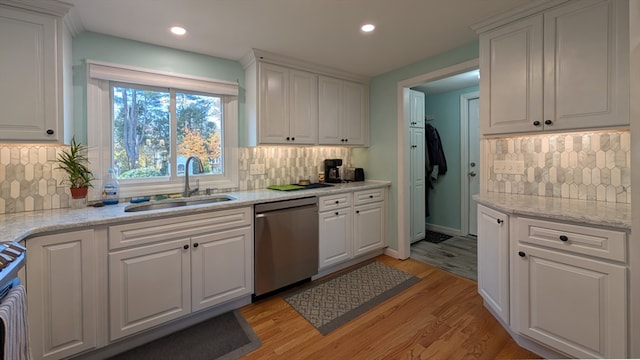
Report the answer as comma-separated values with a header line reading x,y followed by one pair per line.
x,y
336,240
29,95
416,106
418,190
574,304
273,104
61,294
369,227
329,111
586,51
148,286
303,110
493,260
222,267
354,114
511,77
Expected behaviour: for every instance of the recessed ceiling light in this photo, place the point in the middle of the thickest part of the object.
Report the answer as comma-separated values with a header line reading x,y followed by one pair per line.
x,y
178,30
367,27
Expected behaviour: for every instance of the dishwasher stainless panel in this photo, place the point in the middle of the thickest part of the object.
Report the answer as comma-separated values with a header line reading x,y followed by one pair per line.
x,y
286,243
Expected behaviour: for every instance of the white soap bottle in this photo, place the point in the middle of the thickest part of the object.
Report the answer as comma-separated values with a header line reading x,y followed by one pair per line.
x,y
111,191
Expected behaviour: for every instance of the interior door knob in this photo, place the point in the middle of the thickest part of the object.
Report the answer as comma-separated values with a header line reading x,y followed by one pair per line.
x,y
472,173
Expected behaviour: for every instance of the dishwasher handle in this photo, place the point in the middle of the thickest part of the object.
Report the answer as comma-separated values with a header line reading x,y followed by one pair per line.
x,y
259,215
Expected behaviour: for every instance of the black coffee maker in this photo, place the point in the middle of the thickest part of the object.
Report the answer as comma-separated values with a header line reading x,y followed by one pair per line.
x,y
331,170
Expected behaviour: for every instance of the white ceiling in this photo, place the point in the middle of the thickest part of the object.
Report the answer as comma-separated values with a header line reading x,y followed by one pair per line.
x,y
324,32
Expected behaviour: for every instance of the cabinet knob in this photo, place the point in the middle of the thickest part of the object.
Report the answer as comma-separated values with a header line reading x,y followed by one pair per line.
x,y
288,138
293,139
346,140
536,123
185,247
337,213
195,245
50,132
370,196
337,201
521,254
548,122
357,211
499,221
564,238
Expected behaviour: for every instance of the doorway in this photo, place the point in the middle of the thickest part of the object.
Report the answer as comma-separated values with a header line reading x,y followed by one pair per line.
x,y
467,126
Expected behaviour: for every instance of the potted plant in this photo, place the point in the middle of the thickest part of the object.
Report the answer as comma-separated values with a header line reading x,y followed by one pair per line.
x,y
75,162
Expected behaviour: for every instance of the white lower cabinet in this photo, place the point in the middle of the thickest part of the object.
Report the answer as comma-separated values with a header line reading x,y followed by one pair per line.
x,y
493,260
573,304
161,270
568,298
61,277
562,285
351,224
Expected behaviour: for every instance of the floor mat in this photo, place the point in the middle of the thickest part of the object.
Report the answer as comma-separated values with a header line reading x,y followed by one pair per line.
x,y
436,237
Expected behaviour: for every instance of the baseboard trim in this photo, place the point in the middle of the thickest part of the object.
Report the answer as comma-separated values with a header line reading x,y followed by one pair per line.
x,y
444,230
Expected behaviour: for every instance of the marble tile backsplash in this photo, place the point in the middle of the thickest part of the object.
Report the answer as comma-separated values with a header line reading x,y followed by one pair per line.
x,y
589,165
29,180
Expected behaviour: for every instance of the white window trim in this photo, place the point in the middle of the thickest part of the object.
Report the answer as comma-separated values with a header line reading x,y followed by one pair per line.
x,y
99,126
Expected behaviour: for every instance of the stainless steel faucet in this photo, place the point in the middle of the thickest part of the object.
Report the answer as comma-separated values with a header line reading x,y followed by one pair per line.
x,y
188,191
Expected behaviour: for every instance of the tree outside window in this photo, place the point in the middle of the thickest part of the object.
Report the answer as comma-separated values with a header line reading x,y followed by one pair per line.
x,y
143,134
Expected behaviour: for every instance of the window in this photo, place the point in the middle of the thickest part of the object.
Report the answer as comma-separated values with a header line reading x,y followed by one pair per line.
x,y
146,124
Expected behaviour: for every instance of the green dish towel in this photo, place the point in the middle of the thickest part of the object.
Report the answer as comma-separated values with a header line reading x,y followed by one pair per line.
x,y
285,187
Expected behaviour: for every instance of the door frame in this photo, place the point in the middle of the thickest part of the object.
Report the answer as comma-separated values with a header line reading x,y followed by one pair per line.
x,y
403,161
464,159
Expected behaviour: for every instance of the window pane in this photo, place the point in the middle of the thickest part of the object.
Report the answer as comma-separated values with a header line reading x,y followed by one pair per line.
x,y
199,132
141,143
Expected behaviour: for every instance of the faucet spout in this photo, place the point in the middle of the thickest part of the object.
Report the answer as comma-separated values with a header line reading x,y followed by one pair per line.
x,y
188,191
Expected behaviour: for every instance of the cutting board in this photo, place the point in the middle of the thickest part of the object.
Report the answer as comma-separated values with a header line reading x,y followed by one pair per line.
x,y
287,187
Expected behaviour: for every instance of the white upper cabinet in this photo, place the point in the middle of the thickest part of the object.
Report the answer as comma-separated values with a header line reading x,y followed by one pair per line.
x,y
288,105
563,69
31,60
290,102
343,112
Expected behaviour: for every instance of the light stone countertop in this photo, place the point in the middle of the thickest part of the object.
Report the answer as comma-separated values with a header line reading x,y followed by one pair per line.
x,y
584,211
20,226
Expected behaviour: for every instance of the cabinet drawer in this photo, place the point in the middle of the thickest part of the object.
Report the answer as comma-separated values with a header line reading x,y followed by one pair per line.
x,y
145,232
369,196
606,244
333,202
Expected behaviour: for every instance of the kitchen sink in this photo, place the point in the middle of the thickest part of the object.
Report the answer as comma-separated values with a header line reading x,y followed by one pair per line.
x,y
171,203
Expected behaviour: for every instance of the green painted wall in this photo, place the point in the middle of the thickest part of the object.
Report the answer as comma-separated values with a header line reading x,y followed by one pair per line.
x,y
99,47
444,198
383,153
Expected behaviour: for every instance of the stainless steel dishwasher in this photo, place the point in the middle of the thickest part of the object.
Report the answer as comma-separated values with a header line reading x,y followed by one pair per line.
x,y
286,243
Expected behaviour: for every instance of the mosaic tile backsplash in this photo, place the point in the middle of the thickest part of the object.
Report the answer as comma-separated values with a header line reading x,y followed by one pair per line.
x,y
590,165
30,181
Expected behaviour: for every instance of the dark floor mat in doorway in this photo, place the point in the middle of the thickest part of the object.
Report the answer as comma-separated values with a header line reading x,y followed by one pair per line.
x,y
436,237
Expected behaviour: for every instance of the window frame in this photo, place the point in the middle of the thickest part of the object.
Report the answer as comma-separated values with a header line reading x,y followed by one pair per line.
x,y
99,126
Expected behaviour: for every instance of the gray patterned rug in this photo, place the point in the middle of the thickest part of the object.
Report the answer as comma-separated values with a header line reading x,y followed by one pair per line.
x,y
330,303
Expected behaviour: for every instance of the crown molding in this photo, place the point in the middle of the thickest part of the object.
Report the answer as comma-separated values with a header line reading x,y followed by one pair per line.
x,y
51,7
515,14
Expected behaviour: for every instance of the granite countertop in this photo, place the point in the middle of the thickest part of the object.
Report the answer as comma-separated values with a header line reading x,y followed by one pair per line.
x,y
584,211
19,226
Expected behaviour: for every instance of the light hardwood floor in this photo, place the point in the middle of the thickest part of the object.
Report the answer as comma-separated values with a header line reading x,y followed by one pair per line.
x,y
441,317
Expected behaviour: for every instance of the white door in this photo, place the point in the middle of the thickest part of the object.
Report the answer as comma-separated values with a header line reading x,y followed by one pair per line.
x,y
470,160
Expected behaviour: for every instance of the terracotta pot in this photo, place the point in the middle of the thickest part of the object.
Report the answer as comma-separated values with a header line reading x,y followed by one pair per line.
x,y
79,193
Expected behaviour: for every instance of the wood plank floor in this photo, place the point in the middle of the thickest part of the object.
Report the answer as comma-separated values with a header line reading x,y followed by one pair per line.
x,y
458,255
441,317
